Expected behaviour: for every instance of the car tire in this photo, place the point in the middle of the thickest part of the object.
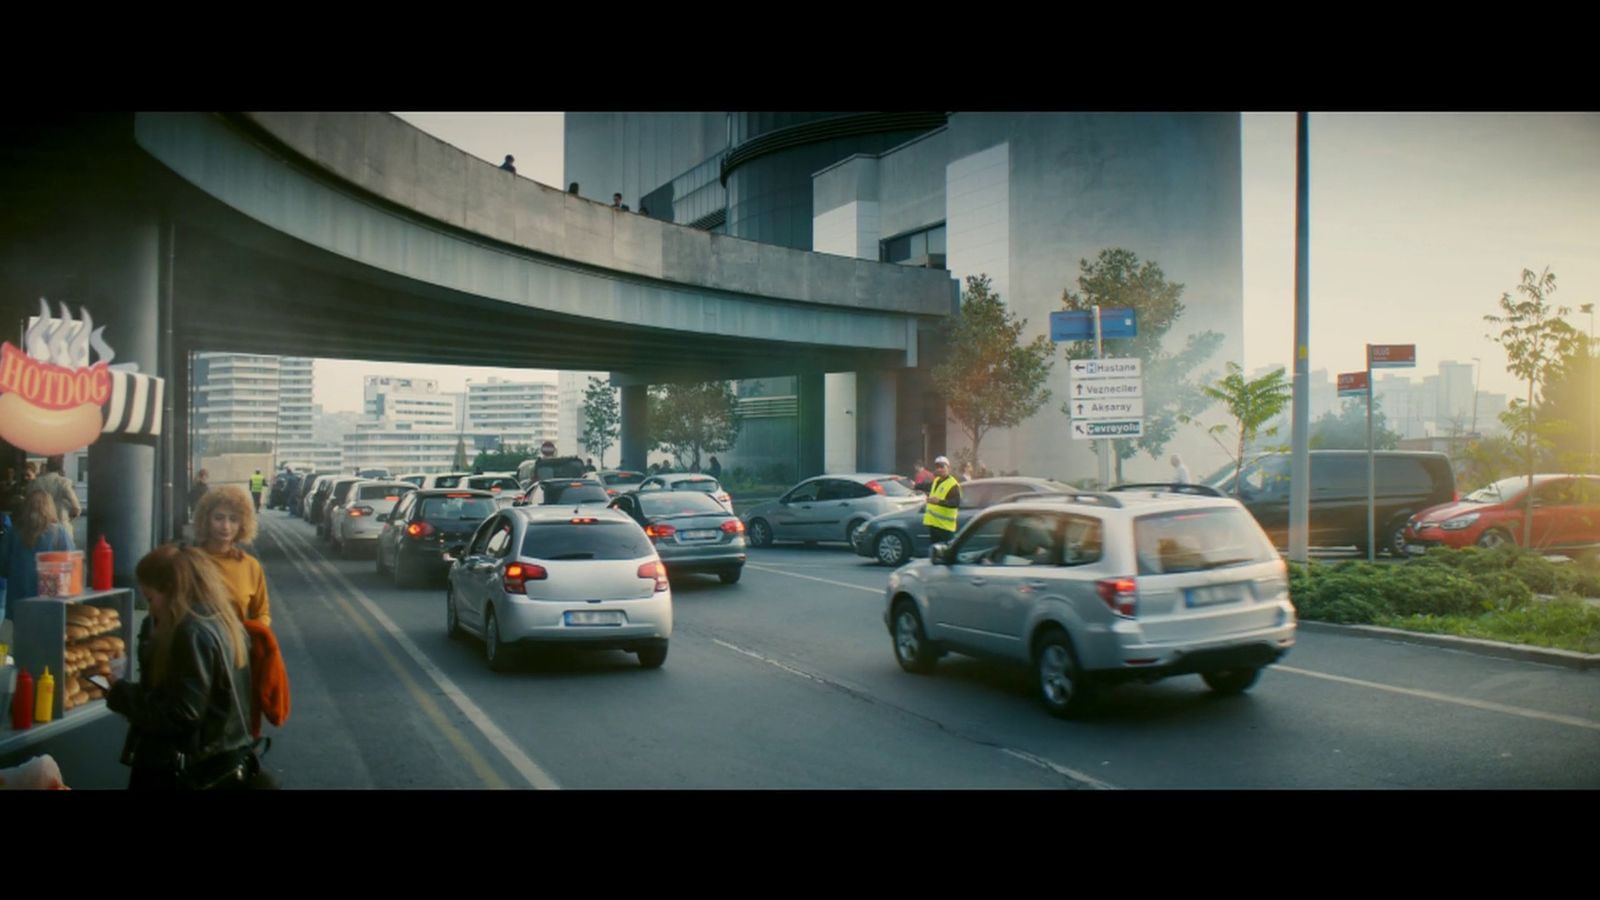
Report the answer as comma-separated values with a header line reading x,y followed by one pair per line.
x,y
731,576
1062,688
851,529
1231,681
495,652
652,656
1396,545
760,533
912,650
892,548
452,619
1496,537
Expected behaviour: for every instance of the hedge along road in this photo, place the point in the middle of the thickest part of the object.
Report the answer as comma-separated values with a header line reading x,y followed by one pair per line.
x,y
787,680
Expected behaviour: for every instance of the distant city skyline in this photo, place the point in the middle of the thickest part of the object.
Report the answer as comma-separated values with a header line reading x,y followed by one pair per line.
x,y
1419,222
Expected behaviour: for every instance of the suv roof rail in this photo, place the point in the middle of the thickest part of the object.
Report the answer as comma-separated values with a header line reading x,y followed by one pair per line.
x,y
1202,490
1089,497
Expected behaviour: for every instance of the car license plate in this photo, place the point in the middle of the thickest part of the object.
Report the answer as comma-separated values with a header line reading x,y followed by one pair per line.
x,y
595,617
1215,595
707,535
1416,549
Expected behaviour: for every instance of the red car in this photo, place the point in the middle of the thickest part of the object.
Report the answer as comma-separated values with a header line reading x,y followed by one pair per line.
x,y
1566,516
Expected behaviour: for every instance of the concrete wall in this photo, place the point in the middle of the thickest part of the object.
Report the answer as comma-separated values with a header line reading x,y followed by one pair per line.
x,y
236,469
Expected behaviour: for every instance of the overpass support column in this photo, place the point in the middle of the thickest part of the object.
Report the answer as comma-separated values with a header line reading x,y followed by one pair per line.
x,y
635,426
812,458
125,254
876,393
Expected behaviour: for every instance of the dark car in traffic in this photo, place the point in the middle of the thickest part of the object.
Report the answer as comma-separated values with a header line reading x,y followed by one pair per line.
x,y
423,524
691,530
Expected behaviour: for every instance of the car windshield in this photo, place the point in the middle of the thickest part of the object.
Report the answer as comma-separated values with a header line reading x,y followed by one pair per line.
x,y
1195,540
455,508
664,504
1499,491
596,539
576,492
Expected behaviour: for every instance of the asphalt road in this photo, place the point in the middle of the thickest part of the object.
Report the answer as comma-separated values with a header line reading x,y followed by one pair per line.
x,y
787,680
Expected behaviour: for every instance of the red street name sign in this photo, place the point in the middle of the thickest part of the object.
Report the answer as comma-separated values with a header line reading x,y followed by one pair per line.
x,y
1391,356
1352,384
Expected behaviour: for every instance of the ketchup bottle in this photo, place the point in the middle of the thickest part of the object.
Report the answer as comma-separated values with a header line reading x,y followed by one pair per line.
x,y
102,565
22,703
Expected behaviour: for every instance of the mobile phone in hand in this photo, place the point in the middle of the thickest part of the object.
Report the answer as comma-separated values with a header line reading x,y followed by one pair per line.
x,y
100,681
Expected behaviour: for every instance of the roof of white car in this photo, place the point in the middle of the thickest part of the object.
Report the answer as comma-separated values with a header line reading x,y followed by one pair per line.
x,y
1140,502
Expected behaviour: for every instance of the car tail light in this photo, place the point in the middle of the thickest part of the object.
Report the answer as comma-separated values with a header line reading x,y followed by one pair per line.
x,y
419,530
656,570
874,487
583,520
660,531
610,492
723,496
1120,594
358,511
733,526
1455,497
519,574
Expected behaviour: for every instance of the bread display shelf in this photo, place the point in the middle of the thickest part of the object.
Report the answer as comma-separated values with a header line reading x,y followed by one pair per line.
x,y
41,640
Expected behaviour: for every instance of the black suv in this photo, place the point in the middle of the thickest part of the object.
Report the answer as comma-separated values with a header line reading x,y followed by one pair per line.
x,y
1407,482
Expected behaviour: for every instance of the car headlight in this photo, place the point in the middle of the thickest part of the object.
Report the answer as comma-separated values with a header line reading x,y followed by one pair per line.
x,y
1459,522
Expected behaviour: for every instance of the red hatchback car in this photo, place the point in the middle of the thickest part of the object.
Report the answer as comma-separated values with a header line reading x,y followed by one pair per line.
x,y
1566,516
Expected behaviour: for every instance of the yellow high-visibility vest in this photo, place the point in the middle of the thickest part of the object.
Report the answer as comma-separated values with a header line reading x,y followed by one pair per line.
x,y
257,482
940,516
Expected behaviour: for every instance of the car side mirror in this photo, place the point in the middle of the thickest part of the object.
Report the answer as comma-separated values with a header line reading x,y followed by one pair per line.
x,y
940,554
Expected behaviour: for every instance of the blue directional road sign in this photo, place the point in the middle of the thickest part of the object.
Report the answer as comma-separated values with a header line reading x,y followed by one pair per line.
x,y
1078,324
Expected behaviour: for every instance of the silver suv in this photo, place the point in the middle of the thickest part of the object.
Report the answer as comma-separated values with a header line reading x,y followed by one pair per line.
x,y
1094,589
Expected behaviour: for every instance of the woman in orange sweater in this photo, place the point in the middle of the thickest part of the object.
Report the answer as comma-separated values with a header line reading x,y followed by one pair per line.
x,y
223,519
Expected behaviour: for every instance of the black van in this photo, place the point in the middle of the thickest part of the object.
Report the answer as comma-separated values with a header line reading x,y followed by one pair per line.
x,y
1407,482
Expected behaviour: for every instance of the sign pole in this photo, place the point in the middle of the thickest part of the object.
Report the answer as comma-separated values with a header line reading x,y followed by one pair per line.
x,y
1102,447
1300,435
1372,543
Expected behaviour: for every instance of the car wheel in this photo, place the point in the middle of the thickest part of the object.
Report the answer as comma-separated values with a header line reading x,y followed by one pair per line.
x,y
1495,537
911,648
653,655
1231,681
760,533
851,529
494,651
893,548
1396,545
452,619
731,576
1061,684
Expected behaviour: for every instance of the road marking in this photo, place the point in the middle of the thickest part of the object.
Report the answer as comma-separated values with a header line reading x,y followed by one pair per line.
x,y
1486,705
843,584
772,662
530,770
1061,770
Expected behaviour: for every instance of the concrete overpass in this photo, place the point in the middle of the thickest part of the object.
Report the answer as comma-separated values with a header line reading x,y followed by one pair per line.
x,y
358,236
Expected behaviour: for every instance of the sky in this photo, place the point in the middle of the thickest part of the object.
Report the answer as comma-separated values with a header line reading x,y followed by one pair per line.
x,y
1419,222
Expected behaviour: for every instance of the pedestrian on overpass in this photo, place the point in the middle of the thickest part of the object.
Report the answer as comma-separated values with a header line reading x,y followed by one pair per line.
x,y
258,482
510,165
944,498
222,521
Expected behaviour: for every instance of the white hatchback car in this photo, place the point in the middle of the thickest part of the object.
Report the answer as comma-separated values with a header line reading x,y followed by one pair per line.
x,y
1094,589
361,519
557,575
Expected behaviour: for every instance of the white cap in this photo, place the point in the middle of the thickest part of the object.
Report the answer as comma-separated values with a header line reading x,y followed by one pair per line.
x,y
941,460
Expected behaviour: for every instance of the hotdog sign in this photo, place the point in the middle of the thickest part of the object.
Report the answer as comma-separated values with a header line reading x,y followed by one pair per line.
x,y
53,400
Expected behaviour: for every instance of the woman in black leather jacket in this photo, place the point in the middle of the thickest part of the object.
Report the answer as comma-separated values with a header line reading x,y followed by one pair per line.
x,y
186,719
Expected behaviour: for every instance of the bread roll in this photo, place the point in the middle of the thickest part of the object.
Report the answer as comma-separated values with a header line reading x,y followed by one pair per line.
x,y
76,632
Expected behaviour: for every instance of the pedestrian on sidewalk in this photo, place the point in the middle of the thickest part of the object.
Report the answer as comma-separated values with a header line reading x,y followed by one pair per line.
x,y
186,713
944,499
198,489
55,484
222,521
37,530
258,483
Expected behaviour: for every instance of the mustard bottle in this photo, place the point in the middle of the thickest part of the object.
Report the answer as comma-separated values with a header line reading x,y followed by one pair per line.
x,y
44,698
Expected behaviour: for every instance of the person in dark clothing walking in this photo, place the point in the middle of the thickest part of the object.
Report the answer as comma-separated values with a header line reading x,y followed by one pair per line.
x,y
199,488
715,469
944,499
510,164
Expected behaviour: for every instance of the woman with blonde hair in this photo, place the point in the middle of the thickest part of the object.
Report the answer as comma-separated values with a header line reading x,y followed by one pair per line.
x,y
39,530
186,720
223,519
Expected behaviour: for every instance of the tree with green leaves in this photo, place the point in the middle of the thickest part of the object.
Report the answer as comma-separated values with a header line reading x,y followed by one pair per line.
x,y
688,420
1119,279
1535,338
1251,403
989,379
1346,429
602,418
1570,400
502,460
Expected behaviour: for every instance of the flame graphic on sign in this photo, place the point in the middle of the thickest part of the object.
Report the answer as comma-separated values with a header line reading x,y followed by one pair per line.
x,y
65,341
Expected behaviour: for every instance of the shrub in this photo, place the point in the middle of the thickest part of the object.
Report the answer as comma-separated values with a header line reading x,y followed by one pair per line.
x,y
1341,598
1506,591
1424,590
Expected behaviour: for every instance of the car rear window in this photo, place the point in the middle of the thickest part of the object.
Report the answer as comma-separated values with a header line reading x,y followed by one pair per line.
x,y
675,504
557,492
708,485
456,508
448,481
381,492
1194,540
558,468
601,539
624,478
342,491
490,482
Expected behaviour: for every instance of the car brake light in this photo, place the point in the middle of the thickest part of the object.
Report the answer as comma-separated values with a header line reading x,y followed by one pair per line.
x,y
610,492
875,487
660,531
458,495
419,529
583,520
518,574
1120,594
655,570
733,526
357,511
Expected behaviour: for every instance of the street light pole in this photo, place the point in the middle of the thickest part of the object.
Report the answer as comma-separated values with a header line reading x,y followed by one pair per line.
x,y
1594,466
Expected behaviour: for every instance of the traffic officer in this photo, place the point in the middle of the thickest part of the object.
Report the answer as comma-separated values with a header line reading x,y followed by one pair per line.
x,y
944,498
257,482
